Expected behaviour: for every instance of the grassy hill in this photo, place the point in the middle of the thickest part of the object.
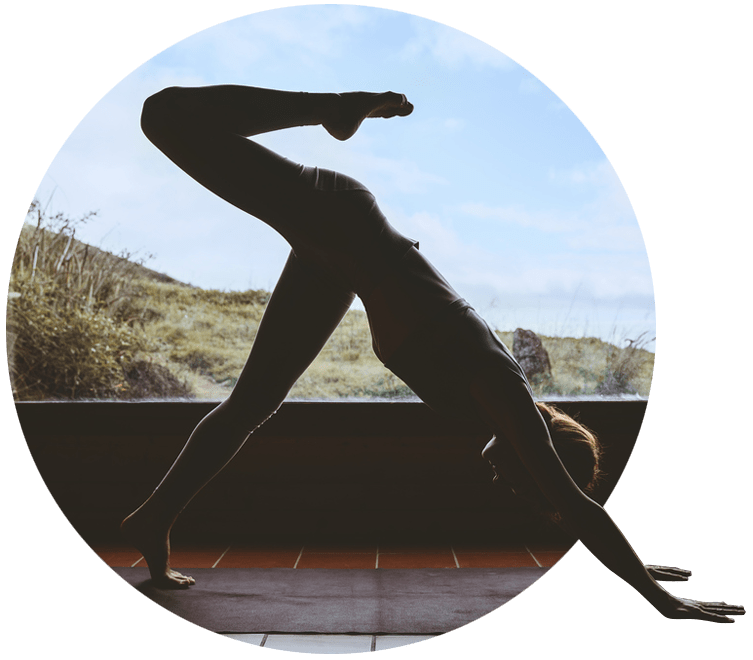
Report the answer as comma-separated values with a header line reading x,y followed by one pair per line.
x,y
204,338
84,323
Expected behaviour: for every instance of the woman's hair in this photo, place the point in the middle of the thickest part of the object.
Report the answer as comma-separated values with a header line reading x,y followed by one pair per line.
x,y
578,447
580,453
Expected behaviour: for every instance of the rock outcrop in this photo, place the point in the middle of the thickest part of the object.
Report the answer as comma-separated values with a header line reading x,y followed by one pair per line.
x,y
531,354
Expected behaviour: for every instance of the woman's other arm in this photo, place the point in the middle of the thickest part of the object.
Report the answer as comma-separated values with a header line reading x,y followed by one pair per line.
x,y
520,422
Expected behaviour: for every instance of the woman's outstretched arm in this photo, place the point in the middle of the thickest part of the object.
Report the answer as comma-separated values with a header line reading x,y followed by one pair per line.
x,y
520,422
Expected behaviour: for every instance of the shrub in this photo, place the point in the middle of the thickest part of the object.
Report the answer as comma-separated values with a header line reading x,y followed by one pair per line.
x,y
623,368
65,351
148,380
65,336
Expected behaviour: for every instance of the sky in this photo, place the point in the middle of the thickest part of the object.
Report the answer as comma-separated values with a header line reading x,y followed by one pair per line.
x,y
505,189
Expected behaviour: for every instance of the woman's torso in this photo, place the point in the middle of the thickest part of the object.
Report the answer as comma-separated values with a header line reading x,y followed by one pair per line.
x,y
421,328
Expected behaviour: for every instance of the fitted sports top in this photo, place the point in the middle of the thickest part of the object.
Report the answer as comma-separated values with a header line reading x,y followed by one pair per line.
x,y
352,240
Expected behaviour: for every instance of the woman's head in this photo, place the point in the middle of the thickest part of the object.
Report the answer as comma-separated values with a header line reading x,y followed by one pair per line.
x,y
578,447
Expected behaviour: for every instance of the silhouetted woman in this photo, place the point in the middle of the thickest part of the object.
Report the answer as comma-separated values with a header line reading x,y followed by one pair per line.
x,y
422,330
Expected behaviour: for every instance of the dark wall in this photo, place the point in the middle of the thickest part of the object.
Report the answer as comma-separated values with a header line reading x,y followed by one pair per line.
x,y
337,468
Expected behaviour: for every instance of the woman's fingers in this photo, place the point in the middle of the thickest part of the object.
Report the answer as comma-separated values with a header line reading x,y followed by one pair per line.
x,y
721,614
724,607
669,573
716,611
670,577
716,618
680,571
670,569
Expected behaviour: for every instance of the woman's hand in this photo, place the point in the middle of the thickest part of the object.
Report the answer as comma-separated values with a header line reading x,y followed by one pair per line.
x,y
684,608
668,573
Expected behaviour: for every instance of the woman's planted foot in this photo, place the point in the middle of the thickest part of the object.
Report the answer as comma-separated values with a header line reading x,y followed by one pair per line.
x,y
153,543
350,109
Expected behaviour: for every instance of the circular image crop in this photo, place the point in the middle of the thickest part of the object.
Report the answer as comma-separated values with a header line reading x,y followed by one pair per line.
x,y
157,253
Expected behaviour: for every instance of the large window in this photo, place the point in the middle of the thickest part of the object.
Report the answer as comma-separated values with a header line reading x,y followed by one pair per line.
x,y
86,324
507,192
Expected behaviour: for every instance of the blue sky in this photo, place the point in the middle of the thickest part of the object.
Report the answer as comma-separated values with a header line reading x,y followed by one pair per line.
x,y
507,192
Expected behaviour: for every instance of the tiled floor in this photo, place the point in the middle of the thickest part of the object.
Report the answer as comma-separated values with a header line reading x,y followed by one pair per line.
x,y
329,643
384,554
317,554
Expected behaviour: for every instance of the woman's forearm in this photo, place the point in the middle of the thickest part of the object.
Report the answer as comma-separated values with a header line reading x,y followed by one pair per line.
x,y
521,423
598,532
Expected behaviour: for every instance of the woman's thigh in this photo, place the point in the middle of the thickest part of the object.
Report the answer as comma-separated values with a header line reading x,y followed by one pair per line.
x,y
305,308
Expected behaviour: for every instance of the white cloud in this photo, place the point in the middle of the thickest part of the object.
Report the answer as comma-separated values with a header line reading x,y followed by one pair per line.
x,y
548,221
507,271
610,214
452,48
320,30
604,220
556,105
531,85
601,174
253,47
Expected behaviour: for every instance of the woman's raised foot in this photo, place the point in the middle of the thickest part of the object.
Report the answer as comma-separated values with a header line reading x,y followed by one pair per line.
x,y
351,108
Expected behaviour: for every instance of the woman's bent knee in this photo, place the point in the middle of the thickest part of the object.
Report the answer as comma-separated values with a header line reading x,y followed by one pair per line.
x,y
158,111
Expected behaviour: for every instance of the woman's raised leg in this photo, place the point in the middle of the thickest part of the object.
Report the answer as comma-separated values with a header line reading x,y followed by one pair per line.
x,y
203,130
302,313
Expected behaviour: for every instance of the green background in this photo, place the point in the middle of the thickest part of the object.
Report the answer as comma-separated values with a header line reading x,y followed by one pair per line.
x,y
663,87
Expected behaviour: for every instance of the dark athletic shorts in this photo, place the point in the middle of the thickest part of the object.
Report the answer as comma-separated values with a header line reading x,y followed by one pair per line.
x,y
440,361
